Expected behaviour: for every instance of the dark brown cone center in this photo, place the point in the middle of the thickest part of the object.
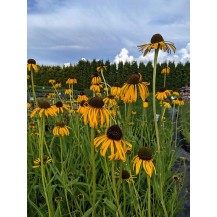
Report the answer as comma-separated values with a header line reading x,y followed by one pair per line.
x,y
83,102
96,102
162,89
133,79
43,104
95,75
59,104
111,97
114,132
156,38
144,153
60,124
116,84
31,61
82,93
125,174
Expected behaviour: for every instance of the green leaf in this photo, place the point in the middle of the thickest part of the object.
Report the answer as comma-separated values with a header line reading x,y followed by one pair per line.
x,y
110,204
89,211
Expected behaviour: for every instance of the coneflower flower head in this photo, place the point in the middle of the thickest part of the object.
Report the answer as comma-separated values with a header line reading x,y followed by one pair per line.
x,y
129,90
59,104
43,104
156,38
133,79
31,63
125,174
96,113
144,153
96,102
114,141
144,158
114,132
83,103
157,42
116,84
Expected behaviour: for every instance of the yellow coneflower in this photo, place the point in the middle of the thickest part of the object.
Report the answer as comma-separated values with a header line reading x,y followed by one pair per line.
x,y
52,81
175,178
95,113
71,80
99,68
157,42
115,90
145,103
165,104
68,91
83,105
179,102
113,140
110,101
126,176
31,63
129,90
60,129
57,85
112,111
144,157
162,94
50,95
96,79
60,107
175,93
166,70
95,88
44,107
37,161
133,112
29,105
82,97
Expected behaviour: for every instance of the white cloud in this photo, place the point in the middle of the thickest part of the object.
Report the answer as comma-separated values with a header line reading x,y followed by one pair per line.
x,y
181,56
123,56
66,64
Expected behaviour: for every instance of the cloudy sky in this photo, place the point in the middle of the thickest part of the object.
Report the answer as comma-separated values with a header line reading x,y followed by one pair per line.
x,y
64,31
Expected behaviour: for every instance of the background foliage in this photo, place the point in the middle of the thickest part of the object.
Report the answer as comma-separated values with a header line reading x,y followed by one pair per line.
x,y
82,71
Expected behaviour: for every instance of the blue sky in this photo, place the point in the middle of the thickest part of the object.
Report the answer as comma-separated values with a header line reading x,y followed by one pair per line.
x,y
64,31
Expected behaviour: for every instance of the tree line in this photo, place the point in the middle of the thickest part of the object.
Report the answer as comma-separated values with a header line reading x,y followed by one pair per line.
x,y
83,70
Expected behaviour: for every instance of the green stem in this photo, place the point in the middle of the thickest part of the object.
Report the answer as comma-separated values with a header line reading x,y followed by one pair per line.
x,y
33,87
72,92
124,194
44,183
154,101
127,119
61,155
137,205
177,115
59,208
57,93
104,82
149,195
70,97
165,76
93,172
164,207
114,189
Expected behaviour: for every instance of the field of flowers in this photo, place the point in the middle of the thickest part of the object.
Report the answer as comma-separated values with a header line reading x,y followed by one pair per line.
x,y
111,153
